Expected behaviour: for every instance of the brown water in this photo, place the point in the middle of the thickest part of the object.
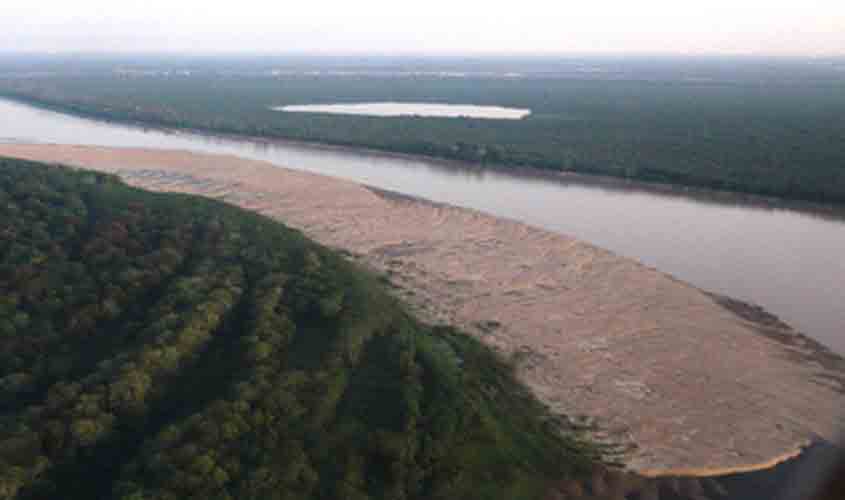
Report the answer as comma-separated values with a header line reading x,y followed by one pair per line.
x,y
790,261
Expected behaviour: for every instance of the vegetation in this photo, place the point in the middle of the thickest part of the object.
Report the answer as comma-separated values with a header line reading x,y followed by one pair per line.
x,y
161,346
781,136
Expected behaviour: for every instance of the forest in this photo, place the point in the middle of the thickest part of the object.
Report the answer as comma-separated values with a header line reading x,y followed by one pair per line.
x,y
167,346
773,130
164,346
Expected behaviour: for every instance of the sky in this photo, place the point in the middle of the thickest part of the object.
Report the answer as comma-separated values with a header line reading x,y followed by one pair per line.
x,y
752,27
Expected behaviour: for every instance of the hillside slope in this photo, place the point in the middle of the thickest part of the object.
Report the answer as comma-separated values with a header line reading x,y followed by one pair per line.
x,y
160,346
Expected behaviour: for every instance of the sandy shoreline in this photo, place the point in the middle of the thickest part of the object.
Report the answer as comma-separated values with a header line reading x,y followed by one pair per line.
x,y
688,384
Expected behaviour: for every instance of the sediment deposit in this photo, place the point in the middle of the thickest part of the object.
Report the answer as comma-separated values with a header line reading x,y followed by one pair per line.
x,y
685,382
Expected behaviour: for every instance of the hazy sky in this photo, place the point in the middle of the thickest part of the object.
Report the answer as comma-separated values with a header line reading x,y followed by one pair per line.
x,y
814,27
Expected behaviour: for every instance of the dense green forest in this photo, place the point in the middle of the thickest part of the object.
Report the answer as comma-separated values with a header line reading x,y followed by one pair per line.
x,y
163,346
775,133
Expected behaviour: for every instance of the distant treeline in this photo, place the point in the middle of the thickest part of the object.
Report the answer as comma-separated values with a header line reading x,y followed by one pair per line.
x,y
784,140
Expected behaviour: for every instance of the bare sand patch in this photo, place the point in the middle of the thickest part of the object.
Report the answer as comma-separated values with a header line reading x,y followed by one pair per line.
x,y
688,383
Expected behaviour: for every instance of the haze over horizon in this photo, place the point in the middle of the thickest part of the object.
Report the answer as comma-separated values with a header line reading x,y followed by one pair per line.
x,y
755,27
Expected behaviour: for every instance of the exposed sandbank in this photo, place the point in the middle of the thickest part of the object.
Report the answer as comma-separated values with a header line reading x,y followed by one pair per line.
x,y
691,385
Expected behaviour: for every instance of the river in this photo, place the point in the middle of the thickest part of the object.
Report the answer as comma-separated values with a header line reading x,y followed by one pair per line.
x,y
790,261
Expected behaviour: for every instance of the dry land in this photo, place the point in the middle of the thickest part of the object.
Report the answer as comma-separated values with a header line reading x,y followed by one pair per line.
x,y
684,382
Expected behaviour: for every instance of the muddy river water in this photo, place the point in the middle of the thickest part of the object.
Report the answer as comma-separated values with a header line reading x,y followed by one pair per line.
x,y
789,260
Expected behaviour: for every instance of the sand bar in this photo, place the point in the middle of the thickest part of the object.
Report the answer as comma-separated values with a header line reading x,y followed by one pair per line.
x,y
690,383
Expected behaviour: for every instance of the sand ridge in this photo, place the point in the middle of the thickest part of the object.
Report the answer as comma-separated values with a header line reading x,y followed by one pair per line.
x,y
654,364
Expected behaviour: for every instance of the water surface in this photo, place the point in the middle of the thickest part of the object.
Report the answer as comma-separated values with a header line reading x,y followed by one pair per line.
x,y
410,109
789,261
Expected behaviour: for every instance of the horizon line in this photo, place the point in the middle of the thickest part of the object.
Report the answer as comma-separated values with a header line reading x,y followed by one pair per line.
x,y
422,54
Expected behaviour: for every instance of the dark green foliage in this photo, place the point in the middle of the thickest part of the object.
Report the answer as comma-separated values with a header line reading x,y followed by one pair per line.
x,y
165,347
782,137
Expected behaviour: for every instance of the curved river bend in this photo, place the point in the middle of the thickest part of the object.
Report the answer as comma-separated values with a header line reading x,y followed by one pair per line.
x,y
788,261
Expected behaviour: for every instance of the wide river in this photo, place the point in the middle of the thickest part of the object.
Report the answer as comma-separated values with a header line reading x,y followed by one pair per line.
x,y
790,262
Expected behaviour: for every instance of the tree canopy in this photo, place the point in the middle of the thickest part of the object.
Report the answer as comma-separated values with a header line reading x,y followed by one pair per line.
x,y
774,135
163,346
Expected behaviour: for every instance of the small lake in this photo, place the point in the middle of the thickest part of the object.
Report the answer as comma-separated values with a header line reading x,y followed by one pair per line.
x,y
789,261
410,109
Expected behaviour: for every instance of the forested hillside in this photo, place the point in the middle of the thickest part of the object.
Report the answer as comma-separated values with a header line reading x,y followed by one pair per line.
x,y
716,128
162,346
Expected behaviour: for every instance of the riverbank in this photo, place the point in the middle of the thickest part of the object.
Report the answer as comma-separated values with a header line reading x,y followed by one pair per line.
x,y
783,259
645,177
653,364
